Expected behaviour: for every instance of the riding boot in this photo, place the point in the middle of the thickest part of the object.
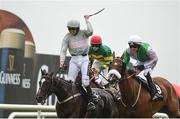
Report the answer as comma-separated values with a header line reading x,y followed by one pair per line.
x,y
91,106
154,93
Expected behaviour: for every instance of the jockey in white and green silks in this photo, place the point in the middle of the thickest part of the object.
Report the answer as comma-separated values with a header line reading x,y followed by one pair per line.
x,y
102,57
146,61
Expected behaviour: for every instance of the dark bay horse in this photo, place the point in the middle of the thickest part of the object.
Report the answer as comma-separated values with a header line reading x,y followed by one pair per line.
x,y
135,98
71,103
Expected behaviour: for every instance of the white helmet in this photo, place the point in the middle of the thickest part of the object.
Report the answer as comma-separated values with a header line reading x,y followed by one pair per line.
x,y
135,39
73,23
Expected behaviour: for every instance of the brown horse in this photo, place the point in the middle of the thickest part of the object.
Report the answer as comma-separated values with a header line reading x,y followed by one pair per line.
x,y
72,103
135,98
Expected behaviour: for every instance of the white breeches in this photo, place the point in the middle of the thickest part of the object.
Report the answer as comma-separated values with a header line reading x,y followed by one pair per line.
x,y
149,69
79,63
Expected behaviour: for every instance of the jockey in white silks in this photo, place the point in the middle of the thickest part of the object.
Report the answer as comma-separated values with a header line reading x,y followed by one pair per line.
x,y
76,41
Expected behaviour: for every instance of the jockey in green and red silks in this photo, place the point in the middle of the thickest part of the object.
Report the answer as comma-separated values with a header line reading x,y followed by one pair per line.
x,y
146,61
101,57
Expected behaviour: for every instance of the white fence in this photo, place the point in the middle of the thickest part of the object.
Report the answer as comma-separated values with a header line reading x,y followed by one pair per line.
x,y
37,108
32,114
50,111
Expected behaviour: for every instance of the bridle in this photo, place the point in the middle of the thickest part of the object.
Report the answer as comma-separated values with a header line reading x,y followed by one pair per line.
x,y
49,91
53,87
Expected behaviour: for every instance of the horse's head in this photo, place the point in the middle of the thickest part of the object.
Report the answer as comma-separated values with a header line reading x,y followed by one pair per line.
x,y
116,69
49,84
45,87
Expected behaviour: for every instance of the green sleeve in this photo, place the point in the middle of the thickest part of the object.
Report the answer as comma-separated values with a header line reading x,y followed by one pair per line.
x,y
107,59
90,52
126,57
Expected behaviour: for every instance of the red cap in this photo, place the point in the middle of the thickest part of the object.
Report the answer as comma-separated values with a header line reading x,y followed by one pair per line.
x,y
96,39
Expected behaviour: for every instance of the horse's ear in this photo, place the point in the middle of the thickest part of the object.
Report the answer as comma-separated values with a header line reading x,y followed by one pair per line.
x,y
122,56
113,54
42,72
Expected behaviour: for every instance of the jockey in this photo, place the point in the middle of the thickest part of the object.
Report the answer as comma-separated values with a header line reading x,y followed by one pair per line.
x,y
101,56
76,41
146,61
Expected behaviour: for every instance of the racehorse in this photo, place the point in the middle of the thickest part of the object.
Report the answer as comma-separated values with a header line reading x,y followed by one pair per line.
x,y
72,103
135,99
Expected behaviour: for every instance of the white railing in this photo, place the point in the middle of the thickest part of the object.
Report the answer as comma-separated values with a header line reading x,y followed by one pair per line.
x,y
26,107
37,108
32,114
40,108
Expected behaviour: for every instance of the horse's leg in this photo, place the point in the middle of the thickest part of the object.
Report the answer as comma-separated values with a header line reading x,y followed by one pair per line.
x,y
58,111
166,111
173,105
91,114
170,98
146,113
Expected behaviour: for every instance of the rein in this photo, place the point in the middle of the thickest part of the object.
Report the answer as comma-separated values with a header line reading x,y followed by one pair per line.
x,y
69,98
139,90
73,96
135,100
130,76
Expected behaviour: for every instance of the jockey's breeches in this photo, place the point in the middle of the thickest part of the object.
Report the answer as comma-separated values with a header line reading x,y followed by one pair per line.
x,y
76,64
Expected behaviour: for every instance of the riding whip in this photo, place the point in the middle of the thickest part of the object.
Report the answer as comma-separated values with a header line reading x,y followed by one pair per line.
x,y
101,75
96,12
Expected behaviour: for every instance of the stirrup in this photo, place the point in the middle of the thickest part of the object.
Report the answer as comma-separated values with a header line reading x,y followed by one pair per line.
x,y
91,106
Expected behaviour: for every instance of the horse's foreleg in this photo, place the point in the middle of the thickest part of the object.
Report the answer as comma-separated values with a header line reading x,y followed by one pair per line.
x,y
178,115
173,108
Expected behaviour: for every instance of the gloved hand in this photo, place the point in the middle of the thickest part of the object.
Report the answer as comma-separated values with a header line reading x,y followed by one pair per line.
x,y
95,71
86,17
61,65
140,67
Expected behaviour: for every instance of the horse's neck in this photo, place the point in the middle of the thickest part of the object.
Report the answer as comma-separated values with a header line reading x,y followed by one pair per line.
x,y
129,88
63,90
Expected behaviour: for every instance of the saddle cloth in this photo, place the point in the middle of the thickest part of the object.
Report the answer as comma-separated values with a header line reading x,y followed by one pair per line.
x,y
146,86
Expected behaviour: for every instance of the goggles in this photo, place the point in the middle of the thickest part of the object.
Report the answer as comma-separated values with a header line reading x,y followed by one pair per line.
x,y
96,45
133,45
72,28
